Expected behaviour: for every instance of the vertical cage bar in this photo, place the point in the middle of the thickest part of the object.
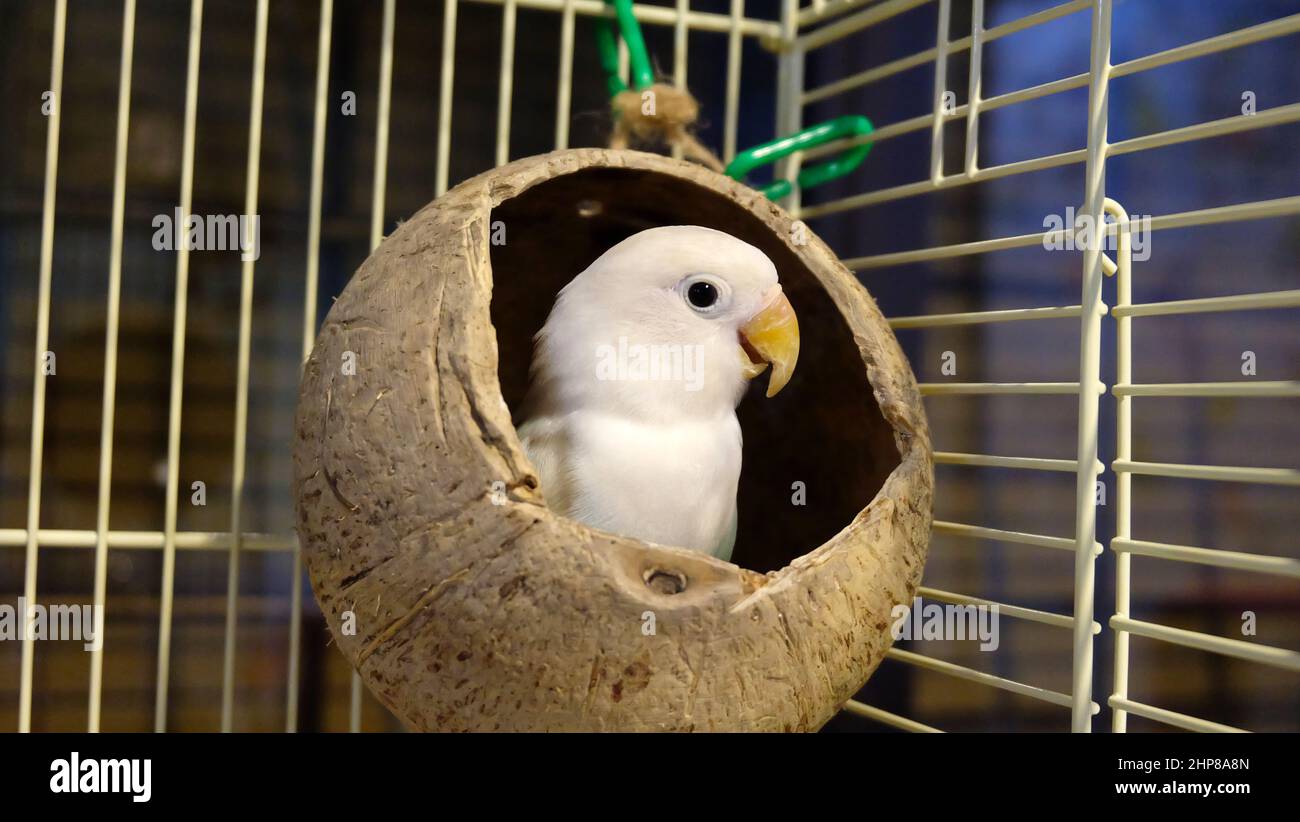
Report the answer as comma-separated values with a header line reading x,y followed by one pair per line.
x,y
168,585
940,89
507,82
973,90
311,293
381,169
564,94
310,297
354,704
444,95
111,323
732,115
38,377
381,126
239,460
680,32
789,91
1123,479
1085,515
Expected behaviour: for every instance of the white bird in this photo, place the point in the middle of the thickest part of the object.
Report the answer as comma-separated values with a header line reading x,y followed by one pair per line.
x,y
630,417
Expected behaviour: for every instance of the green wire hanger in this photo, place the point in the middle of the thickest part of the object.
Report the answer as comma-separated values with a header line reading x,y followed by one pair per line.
x,y
851,125
643,75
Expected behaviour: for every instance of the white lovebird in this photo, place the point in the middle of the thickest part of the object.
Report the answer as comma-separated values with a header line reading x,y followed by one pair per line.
x,y
630,417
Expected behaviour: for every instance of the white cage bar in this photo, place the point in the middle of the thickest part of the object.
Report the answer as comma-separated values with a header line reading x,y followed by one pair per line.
x,y
42,344
113,314
1123,544
799,31
1090,311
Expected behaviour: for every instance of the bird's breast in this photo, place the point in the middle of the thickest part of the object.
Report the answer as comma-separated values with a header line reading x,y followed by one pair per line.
x,y
674,484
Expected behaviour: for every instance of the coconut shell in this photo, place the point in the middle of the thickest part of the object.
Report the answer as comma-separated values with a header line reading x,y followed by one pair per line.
x,y
466,604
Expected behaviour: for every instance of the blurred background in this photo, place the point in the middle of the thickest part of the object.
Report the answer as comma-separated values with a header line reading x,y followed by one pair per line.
x,y
1206,261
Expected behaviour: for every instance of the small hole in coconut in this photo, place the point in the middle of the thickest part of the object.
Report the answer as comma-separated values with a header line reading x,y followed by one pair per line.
x,y
665,582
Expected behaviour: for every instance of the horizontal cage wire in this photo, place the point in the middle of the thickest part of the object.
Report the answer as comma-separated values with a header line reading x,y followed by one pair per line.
x,y
234,542
1088,386
801,33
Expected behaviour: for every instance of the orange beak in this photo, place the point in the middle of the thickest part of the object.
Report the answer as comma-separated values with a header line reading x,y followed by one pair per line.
x,y
771,336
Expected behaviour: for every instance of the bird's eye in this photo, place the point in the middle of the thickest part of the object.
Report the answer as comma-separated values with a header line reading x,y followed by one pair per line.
x,y
705,294
702,294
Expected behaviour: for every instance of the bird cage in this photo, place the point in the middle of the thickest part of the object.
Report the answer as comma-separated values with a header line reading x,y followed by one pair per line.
x,y
1078,216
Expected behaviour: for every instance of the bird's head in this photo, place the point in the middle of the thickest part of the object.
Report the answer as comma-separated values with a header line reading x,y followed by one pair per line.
x,y
671,319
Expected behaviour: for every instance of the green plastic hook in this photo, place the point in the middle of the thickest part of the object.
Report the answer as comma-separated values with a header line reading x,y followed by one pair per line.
x,y
851,125
643,75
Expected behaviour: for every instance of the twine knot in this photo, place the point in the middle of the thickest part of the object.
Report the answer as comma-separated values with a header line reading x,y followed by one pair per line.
x,y
660,114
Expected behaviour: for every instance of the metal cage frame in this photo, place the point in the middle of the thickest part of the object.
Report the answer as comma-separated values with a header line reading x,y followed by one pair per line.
x,y
801,30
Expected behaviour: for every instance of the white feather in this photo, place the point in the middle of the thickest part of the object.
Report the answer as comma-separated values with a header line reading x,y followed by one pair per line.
x,y
658,460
